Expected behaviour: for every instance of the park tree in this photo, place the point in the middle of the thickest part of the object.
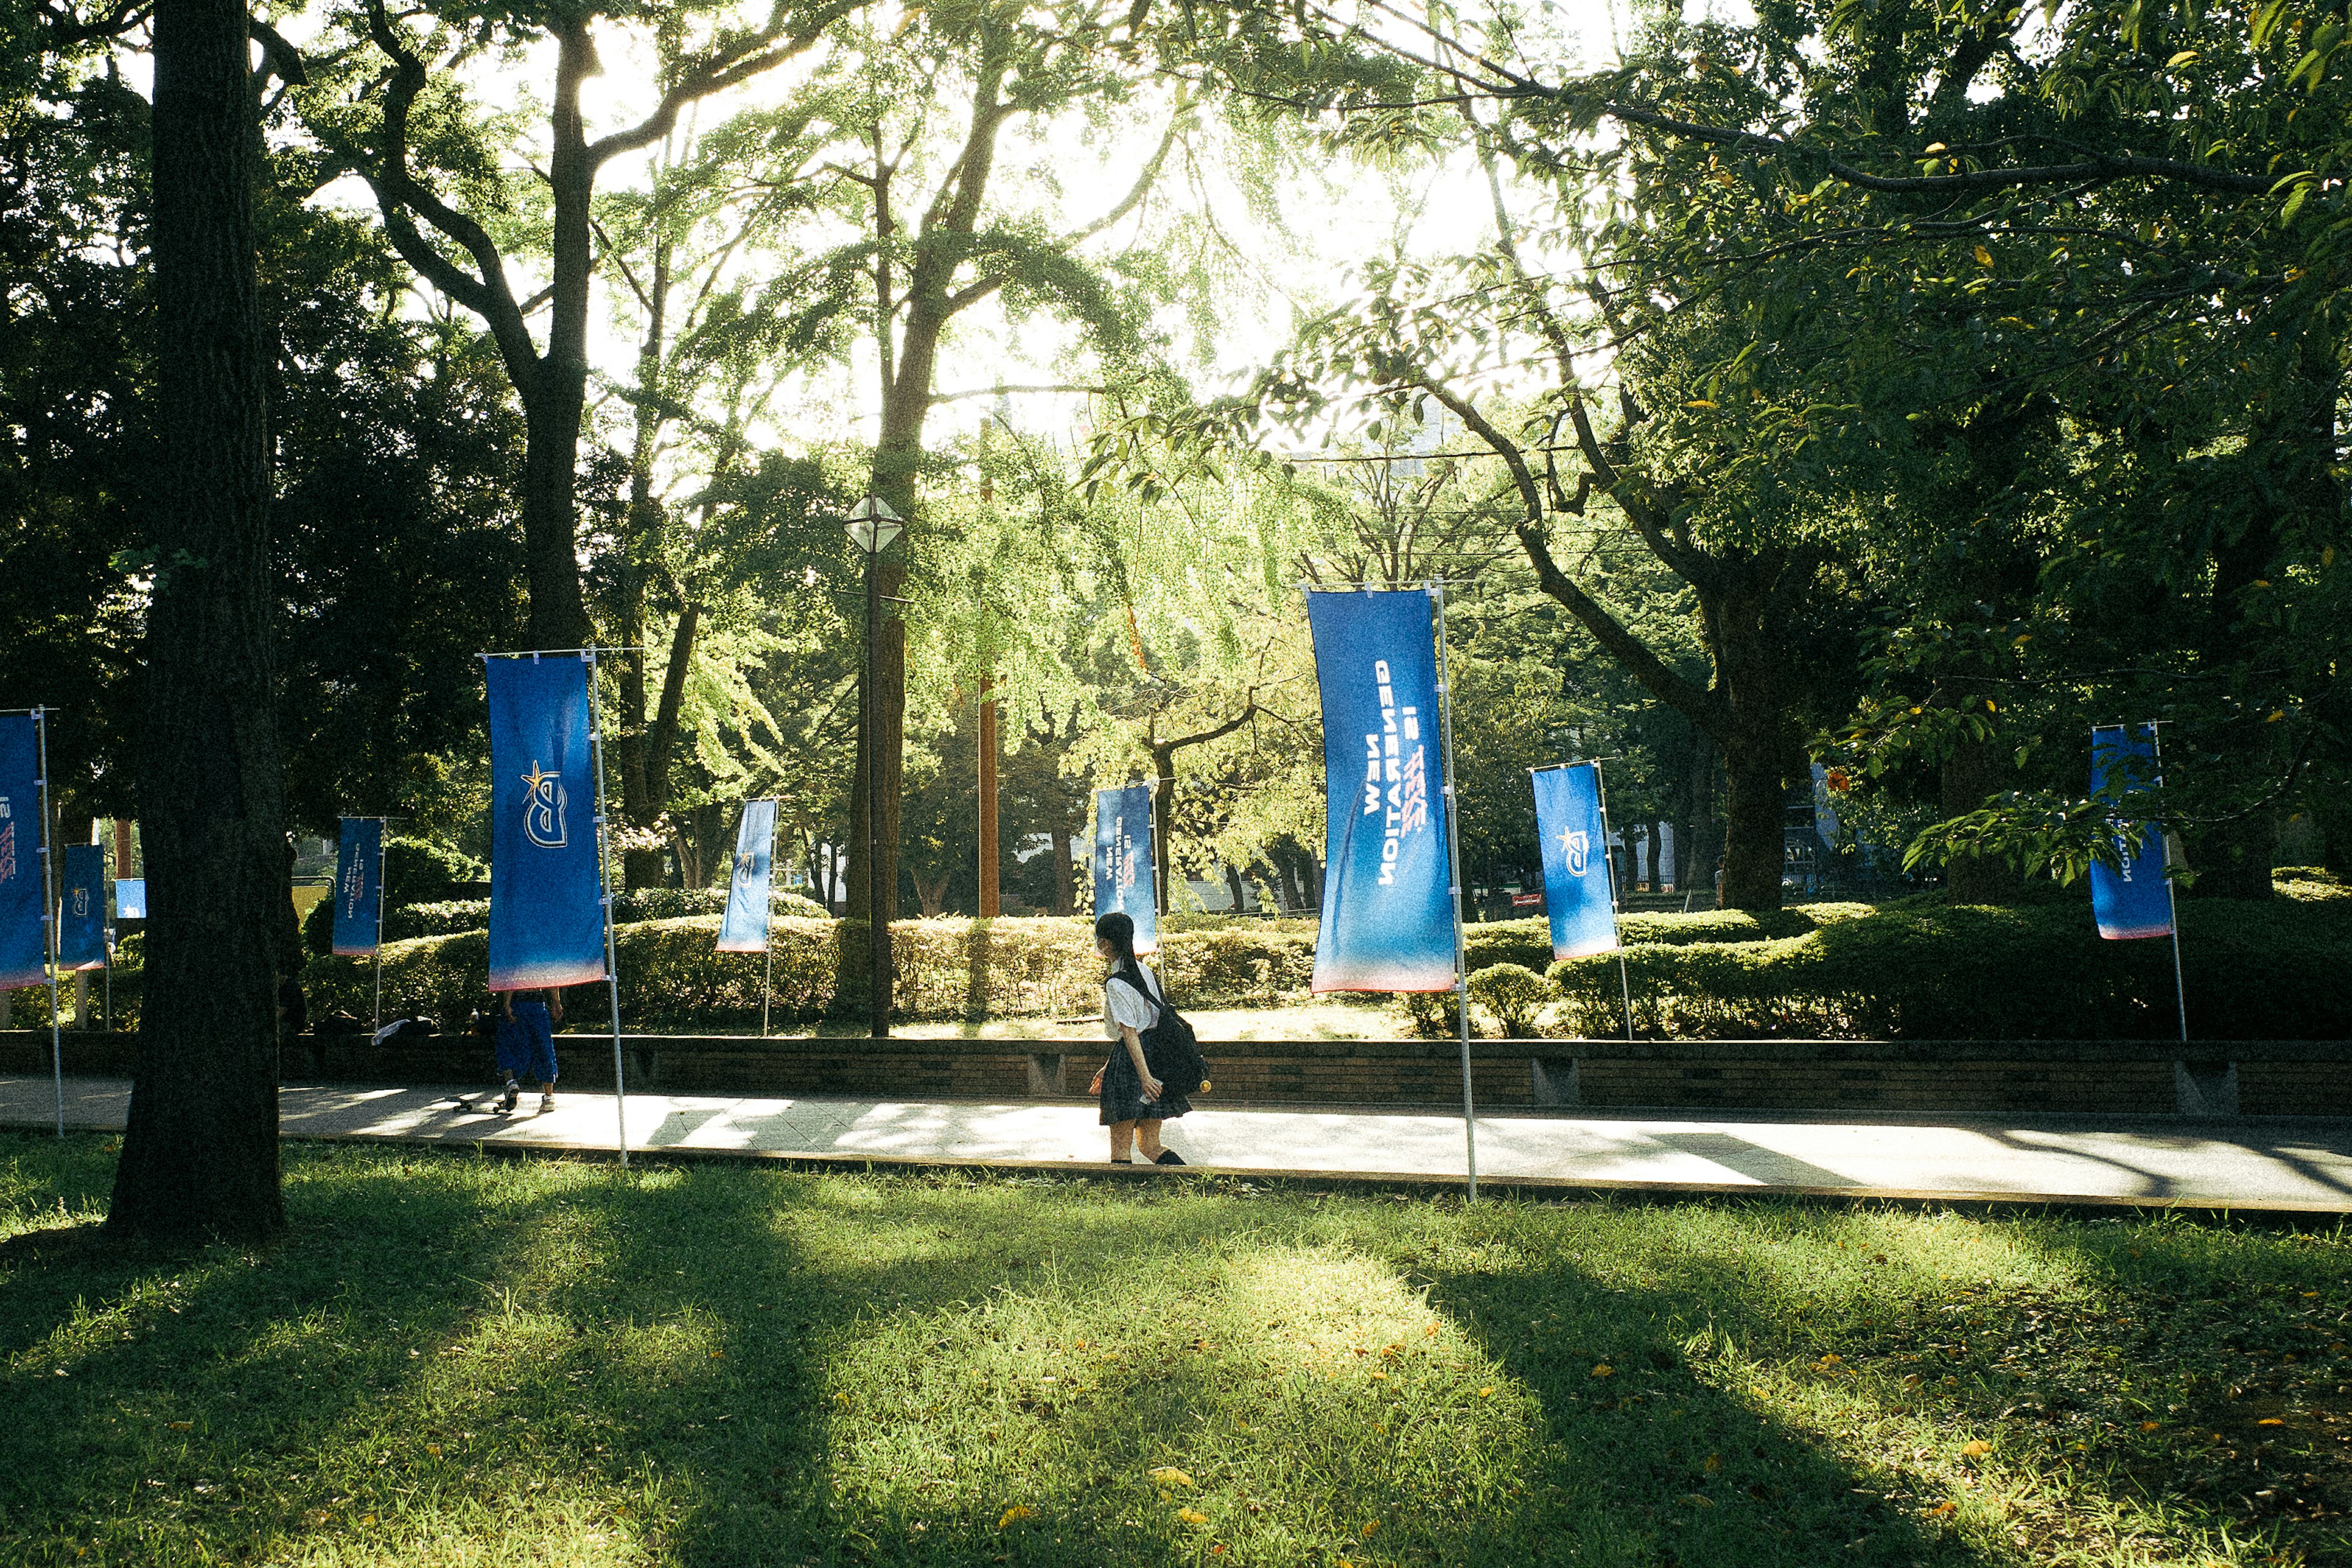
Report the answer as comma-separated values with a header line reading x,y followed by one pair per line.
x,y
2128,216
454,207
77,369
201,1150
933,229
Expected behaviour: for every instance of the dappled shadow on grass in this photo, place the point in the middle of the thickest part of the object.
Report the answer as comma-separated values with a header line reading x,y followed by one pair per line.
x,y
1650,1452
2016,1389
460,1359
447,1358
2199,1363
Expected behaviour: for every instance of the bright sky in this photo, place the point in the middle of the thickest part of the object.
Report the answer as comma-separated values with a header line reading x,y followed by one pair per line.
x,y
1334,221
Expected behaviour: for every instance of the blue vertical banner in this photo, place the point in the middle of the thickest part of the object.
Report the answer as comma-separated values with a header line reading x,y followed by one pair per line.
x,y
1388,905
81,909
2132,898
546,912
1123,876
745,927
359,887
1576,858
130,898
24,938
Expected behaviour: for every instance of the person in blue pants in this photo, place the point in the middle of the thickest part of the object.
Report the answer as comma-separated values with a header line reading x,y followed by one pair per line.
x,y
525,1042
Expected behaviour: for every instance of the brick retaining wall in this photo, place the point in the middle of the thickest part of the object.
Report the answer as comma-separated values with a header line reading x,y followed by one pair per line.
x,y
2253,1077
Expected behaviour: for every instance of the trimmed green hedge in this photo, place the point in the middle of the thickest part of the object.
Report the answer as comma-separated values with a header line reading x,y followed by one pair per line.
x,y
673,980
2276,970
2254,971
448,918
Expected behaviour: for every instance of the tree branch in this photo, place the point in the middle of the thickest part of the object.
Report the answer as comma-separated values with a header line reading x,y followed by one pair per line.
x,y
399,196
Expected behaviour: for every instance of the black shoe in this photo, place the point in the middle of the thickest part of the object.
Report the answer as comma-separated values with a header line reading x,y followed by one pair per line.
x,y
1169,1157
513,1093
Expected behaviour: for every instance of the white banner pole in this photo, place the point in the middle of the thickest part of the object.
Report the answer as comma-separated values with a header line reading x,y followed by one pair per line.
x,y
2172,894
383,829
604,885
1616,925
768,937
49,932
1453,863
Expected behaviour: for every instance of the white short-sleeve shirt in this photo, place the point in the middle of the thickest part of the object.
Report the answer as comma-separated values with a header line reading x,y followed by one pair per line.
x,y
1122,1005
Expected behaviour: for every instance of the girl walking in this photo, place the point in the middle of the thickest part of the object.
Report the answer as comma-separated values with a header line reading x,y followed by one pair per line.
x,y
1134,1103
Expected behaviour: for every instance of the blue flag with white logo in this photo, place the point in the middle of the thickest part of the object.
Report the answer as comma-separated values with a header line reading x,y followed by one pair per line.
x,y
745,929
359,887
1123,876
2132,898
1388,904
81,909
131,898
24,937
1575,860
547,913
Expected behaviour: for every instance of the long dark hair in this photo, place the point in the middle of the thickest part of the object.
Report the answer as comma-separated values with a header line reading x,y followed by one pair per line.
x,y
1118,928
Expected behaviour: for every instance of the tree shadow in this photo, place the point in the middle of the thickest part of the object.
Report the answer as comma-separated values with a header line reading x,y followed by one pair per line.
x,y
713,1365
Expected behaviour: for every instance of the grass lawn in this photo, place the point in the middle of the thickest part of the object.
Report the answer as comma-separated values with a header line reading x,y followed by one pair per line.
x,y
451,1359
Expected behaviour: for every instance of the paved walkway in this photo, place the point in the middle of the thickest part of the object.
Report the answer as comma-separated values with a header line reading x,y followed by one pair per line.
x,y
2293,1165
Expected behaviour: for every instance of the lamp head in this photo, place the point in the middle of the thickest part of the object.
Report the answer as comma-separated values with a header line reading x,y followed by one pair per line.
x,y
873,525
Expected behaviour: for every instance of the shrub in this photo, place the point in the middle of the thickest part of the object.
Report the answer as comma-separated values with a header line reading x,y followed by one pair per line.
x,y
673,980
2254,971
448,917
1430,1015
1515,994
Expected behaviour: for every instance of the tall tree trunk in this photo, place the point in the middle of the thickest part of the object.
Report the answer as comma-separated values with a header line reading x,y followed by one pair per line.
x,y
1657,835
559,617
1971,774
639,804
200,1155
1753,853
1065,875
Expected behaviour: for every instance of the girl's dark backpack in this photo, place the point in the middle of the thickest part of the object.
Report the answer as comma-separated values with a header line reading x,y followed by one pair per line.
x,y
1170,1047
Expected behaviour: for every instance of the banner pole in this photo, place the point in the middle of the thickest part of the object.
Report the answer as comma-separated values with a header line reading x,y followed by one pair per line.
x,y
768,936
1453,865
381,824
1616,925
605,887
2171,893
49,919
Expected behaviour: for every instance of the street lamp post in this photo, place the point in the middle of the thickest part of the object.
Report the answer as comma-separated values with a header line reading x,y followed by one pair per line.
x,y
872,526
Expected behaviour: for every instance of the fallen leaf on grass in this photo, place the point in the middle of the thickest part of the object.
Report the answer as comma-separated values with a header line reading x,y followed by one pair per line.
x,y
1016,1514
434,1449
2150,1425
183,1425
1191,1516
1713,1463
1380,1376
1977,1449
2270,1421
1943,1509
1604,1370
1170,1476
1366,1531
1486,1393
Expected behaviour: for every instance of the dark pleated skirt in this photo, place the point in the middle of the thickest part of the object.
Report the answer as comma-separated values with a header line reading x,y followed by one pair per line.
x,y
1122,1094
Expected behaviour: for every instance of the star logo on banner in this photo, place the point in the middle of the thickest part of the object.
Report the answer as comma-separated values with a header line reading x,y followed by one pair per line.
x,y
1575,851
543,807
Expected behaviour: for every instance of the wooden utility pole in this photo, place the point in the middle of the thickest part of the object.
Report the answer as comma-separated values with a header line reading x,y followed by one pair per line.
x,y
990,901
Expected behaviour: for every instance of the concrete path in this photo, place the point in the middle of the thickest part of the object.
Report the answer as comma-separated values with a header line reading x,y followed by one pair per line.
x,y
2290,1165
